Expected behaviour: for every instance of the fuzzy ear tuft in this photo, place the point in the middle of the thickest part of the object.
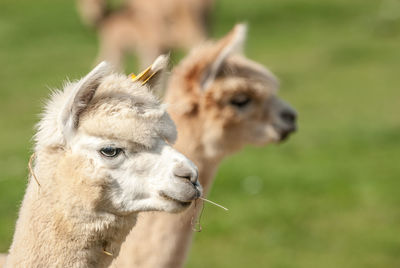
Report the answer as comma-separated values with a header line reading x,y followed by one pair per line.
x,y
80,98
160,63
232,43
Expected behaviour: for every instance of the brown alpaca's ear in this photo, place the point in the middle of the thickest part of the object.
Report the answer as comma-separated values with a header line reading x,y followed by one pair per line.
x,y
154,75
232,43
80,98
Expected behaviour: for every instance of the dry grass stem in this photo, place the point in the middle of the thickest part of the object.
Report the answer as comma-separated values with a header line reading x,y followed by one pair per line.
x,y
31,169
107,253
213,203
196,224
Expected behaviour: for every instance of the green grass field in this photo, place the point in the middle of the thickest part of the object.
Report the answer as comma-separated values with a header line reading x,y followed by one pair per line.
x,y
327,198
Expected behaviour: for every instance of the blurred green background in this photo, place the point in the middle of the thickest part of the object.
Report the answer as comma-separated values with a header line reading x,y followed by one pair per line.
x,y
329,197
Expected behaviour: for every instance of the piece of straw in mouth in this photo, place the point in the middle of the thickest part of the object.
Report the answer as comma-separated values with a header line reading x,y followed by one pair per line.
x,y
195,223
218,205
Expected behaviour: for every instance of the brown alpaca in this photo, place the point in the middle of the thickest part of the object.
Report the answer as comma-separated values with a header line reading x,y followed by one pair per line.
x,y
220,101
146,27
102,155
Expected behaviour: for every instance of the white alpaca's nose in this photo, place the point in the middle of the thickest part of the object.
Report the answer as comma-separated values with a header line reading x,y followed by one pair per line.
x,y
183,183
185,171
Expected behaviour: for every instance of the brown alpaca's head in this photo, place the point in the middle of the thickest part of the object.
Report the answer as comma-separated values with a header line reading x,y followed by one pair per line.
x,y
225,100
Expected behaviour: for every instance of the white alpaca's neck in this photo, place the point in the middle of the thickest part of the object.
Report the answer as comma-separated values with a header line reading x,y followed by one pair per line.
x,y
56,229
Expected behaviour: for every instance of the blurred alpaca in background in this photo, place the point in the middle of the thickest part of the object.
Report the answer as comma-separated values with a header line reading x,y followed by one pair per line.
x,y
146,27
220,102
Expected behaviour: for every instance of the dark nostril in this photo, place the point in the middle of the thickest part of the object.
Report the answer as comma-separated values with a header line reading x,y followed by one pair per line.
x,y
288,116
186,173
188,177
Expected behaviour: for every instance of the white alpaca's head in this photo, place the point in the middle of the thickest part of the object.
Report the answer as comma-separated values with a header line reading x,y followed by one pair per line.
x,y
114,140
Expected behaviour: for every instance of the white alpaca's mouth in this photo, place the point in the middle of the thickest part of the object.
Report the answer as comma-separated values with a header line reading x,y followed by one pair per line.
x,y
170,198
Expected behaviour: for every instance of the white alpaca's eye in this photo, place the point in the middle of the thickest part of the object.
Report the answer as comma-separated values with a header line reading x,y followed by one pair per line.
x,y
110,151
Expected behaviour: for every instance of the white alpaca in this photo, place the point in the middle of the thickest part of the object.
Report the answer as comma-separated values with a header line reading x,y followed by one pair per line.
x,y
2,259
102,154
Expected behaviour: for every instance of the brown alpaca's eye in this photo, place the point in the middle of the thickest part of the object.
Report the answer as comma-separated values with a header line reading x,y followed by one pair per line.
x,y
240,101
110,151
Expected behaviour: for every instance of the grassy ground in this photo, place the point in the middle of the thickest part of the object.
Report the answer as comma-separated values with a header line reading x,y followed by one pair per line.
x,y
327,198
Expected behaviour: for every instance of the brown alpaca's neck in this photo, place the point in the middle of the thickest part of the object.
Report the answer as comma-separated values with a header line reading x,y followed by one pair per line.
x,y
190,143
207,169
176,229
53,231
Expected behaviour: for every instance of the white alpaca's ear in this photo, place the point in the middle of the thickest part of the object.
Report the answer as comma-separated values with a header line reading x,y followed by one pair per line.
x,y
232,43
80,98
154,75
